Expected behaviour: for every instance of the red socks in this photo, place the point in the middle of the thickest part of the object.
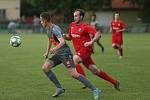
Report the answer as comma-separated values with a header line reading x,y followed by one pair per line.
x,y
80,70
106,77
121,52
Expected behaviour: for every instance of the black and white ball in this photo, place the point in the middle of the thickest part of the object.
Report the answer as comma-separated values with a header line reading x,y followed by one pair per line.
x,y
15,41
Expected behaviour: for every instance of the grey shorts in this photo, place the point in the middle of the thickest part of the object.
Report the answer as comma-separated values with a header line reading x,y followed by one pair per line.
x,y
63,55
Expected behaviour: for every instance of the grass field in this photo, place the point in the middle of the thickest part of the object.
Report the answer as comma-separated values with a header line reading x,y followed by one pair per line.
x,y
21,77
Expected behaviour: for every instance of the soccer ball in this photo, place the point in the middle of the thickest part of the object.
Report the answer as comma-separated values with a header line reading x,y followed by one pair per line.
x,y
15,41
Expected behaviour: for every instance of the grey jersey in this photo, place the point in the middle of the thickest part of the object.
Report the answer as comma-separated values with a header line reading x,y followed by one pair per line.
x,y
56,30
94,23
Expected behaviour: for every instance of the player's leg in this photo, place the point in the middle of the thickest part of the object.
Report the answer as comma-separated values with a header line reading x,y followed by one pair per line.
x,y
86,82
96,71
116,44
100,45
47,66
80,69
120,49
70,64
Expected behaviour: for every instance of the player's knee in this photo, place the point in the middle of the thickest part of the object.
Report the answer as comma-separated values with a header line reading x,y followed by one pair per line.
x,y
94,70
115,46
46,67
76,59
74,74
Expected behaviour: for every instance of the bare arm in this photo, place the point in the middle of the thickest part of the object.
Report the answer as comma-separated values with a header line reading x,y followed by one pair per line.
x,y
61,43
121,30
110,30
47,49
94,39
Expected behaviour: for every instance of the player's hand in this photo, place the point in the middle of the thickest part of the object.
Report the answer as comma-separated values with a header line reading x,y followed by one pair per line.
x,y
46,55
118,31
88,43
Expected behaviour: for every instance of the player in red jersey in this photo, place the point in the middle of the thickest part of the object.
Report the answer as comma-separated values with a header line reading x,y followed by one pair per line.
x,y
61,54
79,33
117,27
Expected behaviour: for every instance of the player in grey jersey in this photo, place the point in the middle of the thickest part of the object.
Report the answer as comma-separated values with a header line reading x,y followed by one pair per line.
x,y
61,54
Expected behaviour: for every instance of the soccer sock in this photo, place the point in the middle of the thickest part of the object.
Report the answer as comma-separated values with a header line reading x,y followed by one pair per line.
x,y
53,78
121,51
106,77
86,82
80,69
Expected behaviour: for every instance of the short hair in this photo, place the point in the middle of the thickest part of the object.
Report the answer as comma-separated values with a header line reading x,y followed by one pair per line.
x,y
82,12
117,13
46,16
93,15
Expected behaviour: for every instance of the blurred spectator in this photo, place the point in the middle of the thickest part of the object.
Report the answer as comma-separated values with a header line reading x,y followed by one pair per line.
x,y
36,23
23,23
12,27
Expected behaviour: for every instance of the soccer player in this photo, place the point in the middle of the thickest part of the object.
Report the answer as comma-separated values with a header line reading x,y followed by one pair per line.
x,y
117,27
79,33
95,23
61,54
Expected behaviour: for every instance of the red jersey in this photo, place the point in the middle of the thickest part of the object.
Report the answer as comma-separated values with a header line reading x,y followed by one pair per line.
x,y
117,26
80,34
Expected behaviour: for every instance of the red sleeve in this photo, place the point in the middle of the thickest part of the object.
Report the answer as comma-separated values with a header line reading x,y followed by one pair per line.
x,y
90,29
123,25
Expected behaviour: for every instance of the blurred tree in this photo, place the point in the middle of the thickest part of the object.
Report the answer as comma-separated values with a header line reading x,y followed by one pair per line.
x,y
144,9
30,7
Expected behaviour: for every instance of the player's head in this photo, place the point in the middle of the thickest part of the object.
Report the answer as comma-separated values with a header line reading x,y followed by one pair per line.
x,y
93,17
45,18
116,15
78,15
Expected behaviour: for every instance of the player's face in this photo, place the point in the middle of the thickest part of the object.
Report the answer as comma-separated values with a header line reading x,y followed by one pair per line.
x,y
116,16
77,17
43,22
93,18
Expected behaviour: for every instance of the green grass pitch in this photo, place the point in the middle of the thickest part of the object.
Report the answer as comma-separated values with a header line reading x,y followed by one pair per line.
x,y
21,77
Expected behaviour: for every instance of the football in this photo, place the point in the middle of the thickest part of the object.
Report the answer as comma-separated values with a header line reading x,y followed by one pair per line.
x,y
15,41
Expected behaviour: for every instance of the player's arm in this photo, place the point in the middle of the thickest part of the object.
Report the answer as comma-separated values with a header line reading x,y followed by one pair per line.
x,y
96,34
110,29
121,30
58,33
122,27
68,36
48,49
61,43
96,37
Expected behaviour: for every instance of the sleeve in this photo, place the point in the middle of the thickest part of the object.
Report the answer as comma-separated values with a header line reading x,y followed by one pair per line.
x,y
90,29
57,32
123,25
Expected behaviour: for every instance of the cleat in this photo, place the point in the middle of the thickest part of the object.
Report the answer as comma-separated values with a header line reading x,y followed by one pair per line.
x,y
58,92
117,86
120,57
96,93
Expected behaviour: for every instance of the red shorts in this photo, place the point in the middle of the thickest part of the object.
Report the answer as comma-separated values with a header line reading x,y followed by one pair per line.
x,y
85,54
117,39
